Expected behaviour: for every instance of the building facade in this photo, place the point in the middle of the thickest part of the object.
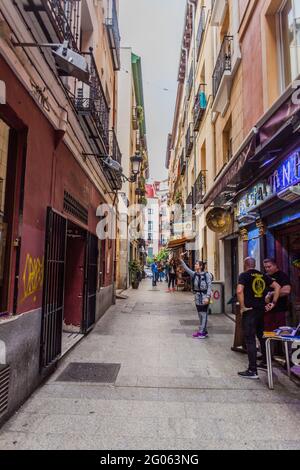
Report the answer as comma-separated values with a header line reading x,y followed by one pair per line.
x,y
151,227
243,181
57,127
132,138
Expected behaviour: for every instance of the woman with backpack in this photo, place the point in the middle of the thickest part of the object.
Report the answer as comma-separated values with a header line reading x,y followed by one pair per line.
x,y
202,288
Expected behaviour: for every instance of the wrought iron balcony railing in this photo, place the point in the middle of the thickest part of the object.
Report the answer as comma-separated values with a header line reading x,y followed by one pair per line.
x,y
223,63
58,20
190,82
114,178
199,107
91,105
200,32
112,25
189,200
182,163
200,188
135,124
189,140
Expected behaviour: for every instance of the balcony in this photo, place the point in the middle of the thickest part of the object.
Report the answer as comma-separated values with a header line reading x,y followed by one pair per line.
x,y
199,107
200,32
55,20
227,63
189,141
218,12
112,26
182,164
190,82
189,200
200,188
135,123
114,178
92,108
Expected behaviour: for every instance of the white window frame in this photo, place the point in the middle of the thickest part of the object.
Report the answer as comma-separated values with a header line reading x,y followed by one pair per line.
x,y
280,50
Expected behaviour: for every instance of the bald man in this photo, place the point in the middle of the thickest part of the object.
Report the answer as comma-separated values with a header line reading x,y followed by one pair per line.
x,y
251,292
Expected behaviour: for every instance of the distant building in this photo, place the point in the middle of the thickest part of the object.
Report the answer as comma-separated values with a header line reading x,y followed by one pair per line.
x,y
151,227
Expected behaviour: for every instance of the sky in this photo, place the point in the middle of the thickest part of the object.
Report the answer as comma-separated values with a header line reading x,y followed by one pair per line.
x,y
154,28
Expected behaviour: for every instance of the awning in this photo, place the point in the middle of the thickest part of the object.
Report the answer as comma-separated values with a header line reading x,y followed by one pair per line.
x,y
273,129
231,171
173,244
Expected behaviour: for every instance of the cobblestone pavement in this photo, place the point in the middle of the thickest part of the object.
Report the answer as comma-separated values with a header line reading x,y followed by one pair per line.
x,y
171,392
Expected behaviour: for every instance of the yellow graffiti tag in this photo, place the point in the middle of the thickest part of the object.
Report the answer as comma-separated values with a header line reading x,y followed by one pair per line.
x,y
33,275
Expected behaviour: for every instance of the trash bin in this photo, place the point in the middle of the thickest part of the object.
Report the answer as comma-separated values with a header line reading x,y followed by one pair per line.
x,y
217,298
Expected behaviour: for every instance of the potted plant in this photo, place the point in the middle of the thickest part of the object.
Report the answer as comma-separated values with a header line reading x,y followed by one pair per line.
x,y
135,274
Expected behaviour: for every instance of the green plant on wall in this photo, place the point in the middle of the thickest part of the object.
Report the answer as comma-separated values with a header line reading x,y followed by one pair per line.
x,y
163,255
140,114
178,197
150,260
143,201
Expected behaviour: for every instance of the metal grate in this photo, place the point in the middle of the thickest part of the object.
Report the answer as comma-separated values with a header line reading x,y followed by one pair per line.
x,y
53,290
4,387
73,207
89,372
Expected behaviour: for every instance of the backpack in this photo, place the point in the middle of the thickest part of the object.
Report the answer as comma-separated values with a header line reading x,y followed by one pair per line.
x,y
201,277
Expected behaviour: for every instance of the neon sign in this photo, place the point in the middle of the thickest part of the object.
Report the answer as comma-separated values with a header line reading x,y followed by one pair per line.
x,y
287,174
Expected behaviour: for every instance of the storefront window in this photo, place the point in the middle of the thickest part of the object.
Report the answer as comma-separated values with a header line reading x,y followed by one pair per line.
x,y
289,24
4,138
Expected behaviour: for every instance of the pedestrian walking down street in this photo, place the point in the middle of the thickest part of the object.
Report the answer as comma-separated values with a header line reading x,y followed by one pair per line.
x,y
202,288
160,271
172,275
154,270
251,292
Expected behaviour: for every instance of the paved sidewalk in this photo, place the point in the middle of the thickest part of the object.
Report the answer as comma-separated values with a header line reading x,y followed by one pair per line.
x,y
172,391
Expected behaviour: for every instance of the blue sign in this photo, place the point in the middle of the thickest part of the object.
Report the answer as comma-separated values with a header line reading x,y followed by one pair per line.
x,y
286,175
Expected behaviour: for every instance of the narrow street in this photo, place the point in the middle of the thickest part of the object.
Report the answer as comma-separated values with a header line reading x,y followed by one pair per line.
x,y
171,391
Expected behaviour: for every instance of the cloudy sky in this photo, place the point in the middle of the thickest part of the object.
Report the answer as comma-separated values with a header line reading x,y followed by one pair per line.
x,y
153,28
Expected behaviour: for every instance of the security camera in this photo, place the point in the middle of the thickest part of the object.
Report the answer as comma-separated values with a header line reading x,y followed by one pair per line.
x,y
113,164
255,130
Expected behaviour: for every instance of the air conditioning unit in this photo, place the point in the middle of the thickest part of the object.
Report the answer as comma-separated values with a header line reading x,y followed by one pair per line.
x,y
291,194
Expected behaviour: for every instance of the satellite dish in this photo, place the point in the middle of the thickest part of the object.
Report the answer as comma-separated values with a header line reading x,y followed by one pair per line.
x,y
218,220
71,63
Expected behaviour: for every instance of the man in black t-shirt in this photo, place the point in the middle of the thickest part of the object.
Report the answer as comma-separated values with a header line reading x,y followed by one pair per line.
x,y
278,316
251,292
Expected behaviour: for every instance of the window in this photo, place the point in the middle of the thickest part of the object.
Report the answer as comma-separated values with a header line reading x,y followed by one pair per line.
x,y
150,211
227,141
150,226
289,41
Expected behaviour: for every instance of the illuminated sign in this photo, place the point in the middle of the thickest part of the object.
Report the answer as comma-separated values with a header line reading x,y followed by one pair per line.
x,y
286,175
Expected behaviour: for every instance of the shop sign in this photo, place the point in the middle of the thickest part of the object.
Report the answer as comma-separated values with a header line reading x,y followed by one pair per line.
x,y
254,197
287,174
